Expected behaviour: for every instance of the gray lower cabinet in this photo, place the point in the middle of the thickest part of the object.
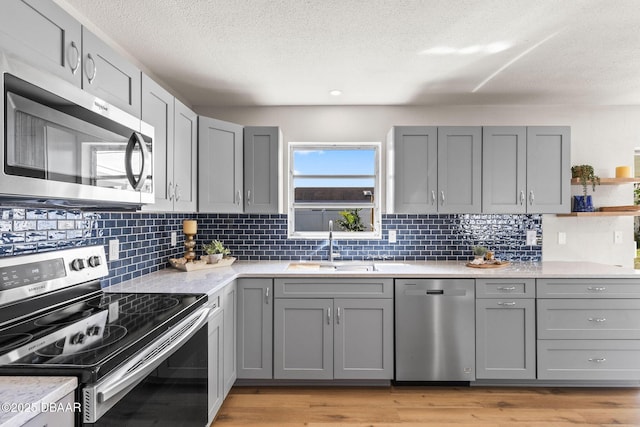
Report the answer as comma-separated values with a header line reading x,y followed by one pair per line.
x,y
525,169
220,166
229,303
349,336
262,169
44,35
588,329
109,76
255,328
216,361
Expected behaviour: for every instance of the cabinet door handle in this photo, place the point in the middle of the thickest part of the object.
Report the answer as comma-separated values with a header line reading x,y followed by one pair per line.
x,y
248,197
433,197
507,288
442,198
597,319
266,295
507,304
338,316
597,359
74,46
177,190
170,191
522,197
328,315
91,78
532,197
238,197
596,288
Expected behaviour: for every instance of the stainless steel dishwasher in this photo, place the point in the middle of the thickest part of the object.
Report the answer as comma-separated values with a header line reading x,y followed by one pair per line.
x,y
435,330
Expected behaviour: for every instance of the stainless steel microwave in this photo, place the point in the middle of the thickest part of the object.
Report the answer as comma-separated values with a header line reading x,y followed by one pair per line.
x,y
64,146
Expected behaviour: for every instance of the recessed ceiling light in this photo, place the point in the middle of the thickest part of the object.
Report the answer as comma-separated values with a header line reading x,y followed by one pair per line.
x,y
335,92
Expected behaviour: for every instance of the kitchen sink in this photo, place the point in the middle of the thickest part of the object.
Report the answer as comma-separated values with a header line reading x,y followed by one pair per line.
x,y
344,266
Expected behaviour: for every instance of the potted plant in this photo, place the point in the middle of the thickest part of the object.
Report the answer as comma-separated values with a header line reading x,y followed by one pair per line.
x,y
215,250
479,252
351,220
586,176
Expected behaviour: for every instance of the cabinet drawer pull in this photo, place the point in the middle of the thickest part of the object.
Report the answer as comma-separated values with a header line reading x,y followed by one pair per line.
x,y
596,288
597,359
507,288
597,319
507,304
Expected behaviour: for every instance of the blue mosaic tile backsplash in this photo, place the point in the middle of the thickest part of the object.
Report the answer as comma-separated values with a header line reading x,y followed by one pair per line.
x,y
145,237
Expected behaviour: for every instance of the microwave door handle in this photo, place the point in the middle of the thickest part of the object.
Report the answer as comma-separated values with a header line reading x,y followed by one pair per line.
x,y
136,139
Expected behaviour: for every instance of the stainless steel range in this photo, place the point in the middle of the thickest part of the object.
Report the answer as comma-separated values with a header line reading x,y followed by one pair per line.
x,y
138,357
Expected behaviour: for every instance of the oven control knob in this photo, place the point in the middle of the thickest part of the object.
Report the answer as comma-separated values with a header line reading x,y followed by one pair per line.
x,y
77,264
94,261
78,338
93,330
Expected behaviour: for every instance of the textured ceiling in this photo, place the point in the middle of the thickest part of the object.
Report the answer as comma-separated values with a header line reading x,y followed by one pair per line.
x,y
381,52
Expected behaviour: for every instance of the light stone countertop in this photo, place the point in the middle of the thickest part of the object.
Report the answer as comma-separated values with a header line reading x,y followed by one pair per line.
x,y
211,280
22,398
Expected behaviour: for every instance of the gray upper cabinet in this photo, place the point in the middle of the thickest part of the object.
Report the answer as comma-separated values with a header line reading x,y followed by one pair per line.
x,y
459,169
504,169
413,169
255,329
220,166
525,169
174,149
261,169
44,35
548,169
185,160
108,75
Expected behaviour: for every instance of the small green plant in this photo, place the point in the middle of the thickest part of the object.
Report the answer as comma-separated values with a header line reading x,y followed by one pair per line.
x,y
479,251
351,220
585,175
215,247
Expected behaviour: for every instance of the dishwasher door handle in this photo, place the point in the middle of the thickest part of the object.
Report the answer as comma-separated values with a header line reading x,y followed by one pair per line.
x,y
429,292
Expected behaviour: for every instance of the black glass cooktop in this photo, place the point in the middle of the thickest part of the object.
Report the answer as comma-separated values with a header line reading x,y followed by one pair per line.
x,y
94,334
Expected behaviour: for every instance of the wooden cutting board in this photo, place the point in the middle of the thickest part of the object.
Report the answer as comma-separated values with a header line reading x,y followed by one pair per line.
x,y
502,264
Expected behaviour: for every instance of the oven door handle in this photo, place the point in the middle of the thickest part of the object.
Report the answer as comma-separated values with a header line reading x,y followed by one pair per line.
x,y
140,366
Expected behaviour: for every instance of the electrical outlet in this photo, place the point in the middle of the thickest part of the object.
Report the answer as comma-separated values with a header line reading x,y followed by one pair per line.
x,y
393,236
531,237
562,238
114,249
617,237
174,238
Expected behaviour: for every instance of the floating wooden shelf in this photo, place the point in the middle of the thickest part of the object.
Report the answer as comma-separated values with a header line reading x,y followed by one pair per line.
x,y
621,213
609,181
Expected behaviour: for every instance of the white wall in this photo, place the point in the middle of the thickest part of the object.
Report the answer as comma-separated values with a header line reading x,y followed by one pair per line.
x,y
602,136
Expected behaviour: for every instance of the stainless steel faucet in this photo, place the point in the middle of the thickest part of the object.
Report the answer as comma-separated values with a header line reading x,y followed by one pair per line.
x,y
330,241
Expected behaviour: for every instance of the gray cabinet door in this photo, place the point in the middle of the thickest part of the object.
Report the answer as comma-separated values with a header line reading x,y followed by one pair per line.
x,y
504,169
459,169
215,380
44,35
413,155
229,363
108,75
505,339
255,329
185,160
548,169
303,339
261,172
219,166
158,111
363,339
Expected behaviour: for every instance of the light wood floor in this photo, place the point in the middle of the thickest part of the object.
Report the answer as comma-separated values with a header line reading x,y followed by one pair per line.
x,y
429,406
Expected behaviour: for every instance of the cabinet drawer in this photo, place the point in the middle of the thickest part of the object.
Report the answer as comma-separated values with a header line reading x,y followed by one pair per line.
x,y
588,319
588,288
333,288
588,360
505,288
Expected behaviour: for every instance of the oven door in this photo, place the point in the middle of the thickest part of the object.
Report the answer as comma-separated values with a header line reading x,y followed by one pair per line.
x,y
165,385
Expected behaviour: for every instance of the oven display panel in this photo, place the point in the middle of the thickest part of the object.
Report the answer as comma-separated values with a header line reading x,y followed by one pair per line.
x,y
32,273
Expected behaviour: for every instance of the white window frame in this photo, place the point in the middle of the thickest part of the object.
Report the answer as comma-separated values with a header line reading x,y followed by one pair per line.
x,y
337,234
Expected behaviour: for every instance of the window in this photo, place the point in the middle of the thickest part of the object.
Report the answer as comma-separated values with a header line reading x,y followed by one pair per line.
x,y
336,182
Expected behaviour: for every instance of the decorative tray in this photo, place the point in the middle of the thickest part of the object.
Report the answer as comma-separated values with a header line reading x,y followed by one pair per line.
x,y
181,264
490,264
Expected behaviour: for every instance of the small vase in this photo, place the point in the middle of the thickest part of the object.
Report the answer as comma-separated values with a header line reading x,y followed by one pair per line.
x,y
582,204
214,258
